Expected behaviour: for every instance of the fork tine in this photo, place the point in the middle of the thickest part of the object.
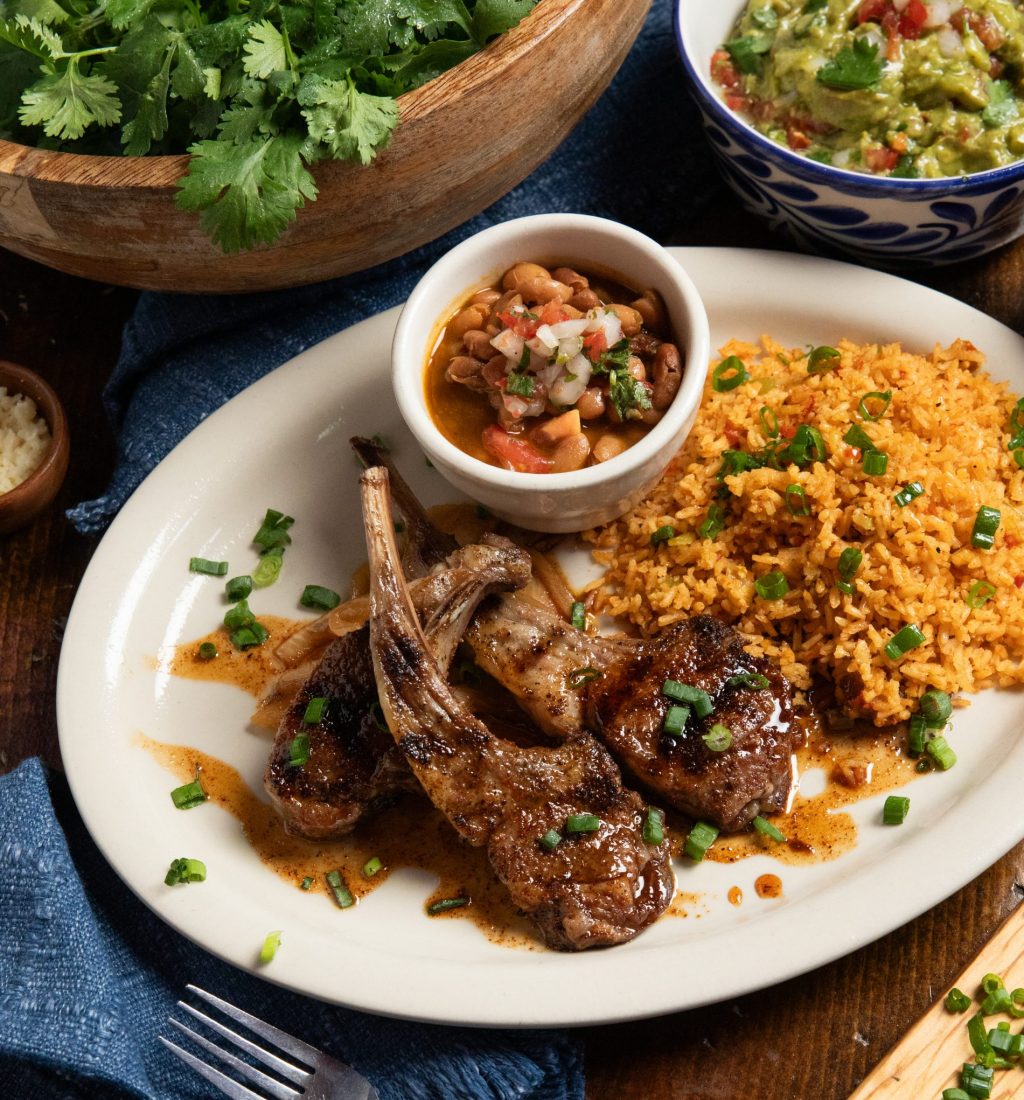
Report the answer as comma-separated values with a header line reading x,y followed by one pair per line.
x,y
227,1085
276,1089
281,1038
279,1065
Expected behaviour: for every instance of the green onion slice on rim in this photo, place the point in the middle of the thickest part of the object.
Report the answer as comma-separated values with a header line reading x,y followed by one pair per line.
x,y
729,374
868,406
935,708
373,866
320,598
185,870
578,615
582,823
986,523
718,738
766,828
207,567
895,810
306,883
207,651
189,795
341,893
654,826
903,641
238,588
699,840
772,586
796,500
939,750
270,945
875,463
238,616
273,531
822,359
268,568
908,493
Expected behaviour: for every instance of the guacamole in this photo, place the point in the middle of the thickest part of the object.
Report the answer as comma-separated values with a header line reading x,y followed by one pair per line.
x,y
912,88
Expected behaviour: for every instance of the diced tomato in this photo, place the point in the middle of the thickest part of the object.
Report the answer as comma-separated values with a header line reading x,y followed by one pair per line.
x,y
912,19
515,453
797,139
595,344
736,102
1010,541
520,324
899,142
995,68
871,11
733,433
1019,580
787,431
552,313
881,159
852,454
724,71
987,29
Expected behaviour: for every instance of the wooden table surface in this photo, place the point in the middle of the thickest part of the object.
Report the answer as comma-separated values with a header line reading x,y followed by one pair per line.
x,y
812,1038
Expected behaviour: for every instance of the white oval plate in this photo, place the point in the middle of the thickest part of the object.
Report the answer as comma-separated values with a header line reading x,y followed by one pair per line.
x,y
283,443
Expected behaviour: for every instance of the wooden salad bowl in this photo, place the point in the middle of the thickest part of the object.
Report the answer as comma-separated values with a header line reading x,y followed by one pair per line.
x,y
464,139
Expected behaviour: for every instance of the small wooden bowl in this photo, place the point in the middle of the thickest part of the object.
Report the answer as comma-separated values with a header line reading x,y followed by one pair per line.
x,y
464,140
25,501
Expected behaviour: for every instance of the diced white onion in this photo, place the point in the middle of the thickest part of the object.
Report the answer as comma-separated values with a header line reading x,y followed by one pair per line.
x,y
941,11
515,406
566,391
549,373
950,42
546,337
509,344
841,158
568,328
569,347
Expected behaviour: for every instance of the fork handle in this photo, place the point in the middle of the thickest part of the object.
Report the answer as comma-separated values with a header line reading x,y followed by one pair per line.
x,y
928,1058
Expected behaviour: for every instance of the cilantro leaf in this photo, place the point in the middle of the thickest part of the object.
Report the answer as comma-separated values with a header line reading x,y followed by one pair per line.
x,y
150,121
748,52
493,17
247,194
521,385
853,68
47,12
1001,108
123,13
31,36
350,123
627,393
65,103
265,50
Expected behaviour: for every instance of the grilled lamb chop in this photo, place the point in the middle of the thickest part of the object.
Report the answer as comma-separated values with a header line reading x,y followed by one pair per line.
x,y
595,888
354,766
532,653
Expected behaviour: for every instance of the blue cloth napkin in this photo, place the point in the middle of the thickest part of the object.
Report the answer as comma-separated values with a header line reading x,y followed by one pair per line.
x,y
87,974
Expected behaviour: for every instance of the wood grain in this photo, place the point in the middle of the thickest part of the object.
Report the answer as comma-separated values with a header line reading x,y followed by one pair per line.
x,y
928,1058
464,140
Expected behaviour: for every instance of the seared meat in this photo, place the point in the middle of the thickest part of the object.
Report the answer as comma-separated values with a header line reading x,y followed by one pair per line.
x,y
597,887
354,766
532,653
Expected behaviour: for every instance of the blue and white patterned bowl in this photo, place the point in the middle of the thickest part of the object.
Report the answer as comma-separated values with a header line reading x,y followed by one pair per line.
x,y
877,220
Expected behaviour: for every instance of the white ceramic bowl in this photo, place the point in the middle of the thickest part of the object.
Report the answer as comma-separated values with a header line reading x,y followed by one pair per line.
x,y
568,501
878,220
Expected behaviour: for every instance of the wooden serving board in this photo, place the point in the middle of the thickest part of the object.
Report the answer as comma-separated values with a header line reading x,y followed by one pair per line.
x,y
928,1058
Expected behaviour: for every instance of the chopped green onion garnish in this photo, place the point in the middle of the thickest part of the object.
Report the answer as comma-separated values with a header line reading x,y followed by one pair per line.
x,y
551,839
306,883
850,561
769,422
822,359
578,615
935,708
796,500
991,982
979,594
807,445
342,894
654,826
663,534
729,374
270,946
957,1001
700,839
903,641
857,437
188,796
977,1081
1016,428
323,599
895,810
766,828
772,586
268,568
582,823
207,651
185,870
685,693
938,749
675,721
1018,457
207,567
238,588
444,905
718,738
986,523
315,710
875,463
580,676
273,530
1001,1041
978,1034
753,680
908,493
238,616
372,866
916,734
864,410
955,1094
251,635
998,1000
714,522
298,751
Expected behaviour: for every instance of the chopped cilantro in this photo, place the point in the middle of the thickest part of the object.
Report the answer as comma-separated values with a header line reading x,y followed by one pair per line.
x,y
854,67
747,52
814,5
1001,107
905,168
627,393
519,384
615,358
767,18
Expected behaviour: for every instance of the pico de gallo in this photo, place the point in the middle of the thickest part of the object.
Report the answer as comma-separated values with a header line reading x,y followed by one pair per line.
x,y
904,88
551,370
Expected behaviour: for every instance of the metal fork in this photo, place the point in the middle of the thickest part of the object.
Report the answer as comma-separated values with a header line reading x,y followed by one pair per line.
x,y
325,1079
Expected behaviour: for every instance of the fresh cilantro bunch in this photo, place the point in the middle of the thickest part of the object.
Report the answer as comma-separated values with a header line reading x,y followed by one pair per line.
x,y
256,90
